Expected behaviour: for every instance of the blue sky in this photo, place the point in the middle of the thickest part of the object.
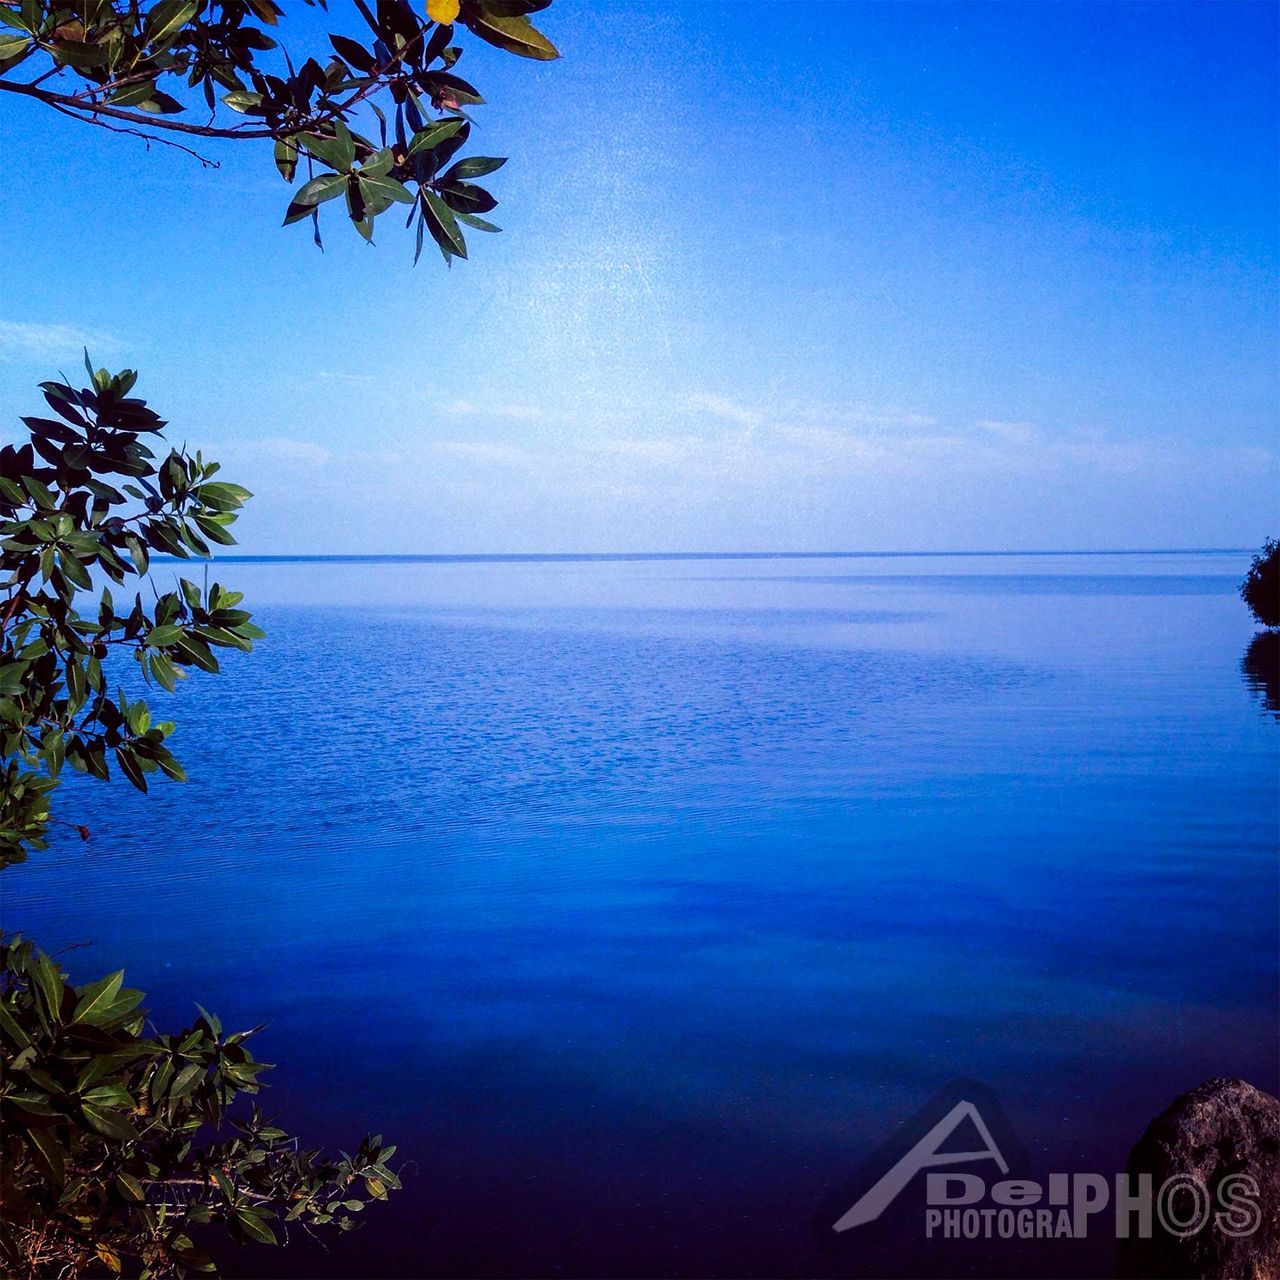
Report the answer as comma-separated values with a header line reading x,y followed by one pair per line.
x,y
806,276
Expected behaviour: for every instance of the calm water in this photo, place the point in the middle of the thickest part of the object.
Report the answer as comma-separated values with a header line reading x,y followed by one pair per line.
x,y
639,902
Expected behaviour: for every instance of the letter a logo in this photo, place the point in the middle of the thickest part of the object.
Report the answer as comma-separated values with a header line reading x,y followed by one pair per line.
x,y
926,1153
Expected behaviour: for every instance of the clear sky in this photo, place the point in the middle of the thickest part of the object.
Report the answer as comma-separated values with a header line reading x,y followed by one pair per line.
x,y
812,276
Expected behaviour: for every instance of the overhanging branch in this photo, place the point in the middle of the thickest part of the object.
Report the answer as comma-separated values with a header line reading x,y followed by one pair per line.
x,y
86,111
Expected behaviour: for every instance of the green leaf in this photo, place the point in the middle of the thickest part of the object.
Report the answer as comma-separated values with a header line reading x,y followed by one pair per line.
x,y
130,768
108,1123
222,495
166,19
472,167
253,1225
97,998
130,1188
443,226
74,570
166,634
510,32
466,197
131,95
163,671
108,1095
137,552
48,1153
353,53
318,190
434,134
76,53
315,192
515,7
347,144
329,151
244,101
195,651
286,158
186,1080
13,1029
48,982
43,498
388,188
169,766
479,223
161,104
211,527
377,165
13,46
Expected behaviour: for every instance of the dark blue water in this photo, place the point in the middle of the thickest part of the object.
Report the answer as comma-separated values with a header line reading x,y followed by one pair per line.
x,y
640,901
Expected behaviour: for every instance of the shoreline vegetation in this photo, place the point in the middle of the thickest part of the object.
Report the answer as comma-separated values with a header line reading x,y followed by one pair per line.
x,y
123,1149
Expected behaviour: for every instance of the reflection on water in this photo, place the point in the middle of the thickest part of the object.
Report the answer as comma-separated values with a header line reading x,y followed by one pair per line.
x,y
638,904
1261,667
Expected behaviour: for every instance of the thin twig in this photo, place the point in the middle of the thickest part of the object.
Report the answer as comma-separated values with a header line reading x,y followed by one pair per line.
x,y
148,138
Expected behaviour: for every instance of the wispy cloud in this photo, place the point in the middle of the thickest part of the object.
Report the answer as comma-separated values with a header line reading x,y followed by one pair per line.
x,y
484,451
1009,432
861,417
344,378
678,470
868,418
509,410
664,450
725,408
24,340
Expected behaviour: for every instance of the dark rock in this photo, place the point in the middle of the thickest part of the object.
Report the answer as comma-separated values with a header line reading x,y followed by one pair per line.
x,y
1220,1128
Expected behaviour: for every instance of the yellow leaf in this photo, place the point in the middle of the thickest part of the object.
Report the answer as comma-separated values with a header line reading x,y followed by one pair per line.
x,y
109,1256
444,12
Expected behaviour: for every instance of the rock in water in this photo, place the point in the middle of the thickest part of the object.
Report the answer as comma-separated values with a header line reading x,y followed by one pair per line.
x,y
1220,1128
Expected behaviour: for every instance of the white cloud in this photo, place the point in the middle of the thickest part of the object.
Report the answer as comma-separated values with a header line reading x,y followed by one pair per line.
x,y
679,470
1009,432
349,379
513,412
484,451
724,407
859,417
870,418
22,340
665,450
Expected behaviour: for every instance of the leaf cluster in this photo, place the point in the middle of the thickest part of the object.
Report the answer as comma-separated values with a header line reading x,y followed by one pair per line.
x,y
123,1147
151,67
1261,588
84,501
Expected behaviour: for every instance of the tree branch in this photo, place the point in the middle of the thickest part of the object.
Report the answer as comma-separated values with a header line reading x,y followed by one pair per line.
x,y
83,111
80,107
148,138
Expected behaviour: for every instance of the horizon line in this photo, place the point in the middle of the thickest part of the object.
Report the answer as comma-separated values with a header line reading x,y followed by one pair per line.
x,y
529,557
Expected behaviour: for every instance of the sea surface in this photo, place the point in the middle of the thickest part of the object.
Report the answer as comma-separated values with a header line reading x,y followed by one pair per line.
x,y
641,901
